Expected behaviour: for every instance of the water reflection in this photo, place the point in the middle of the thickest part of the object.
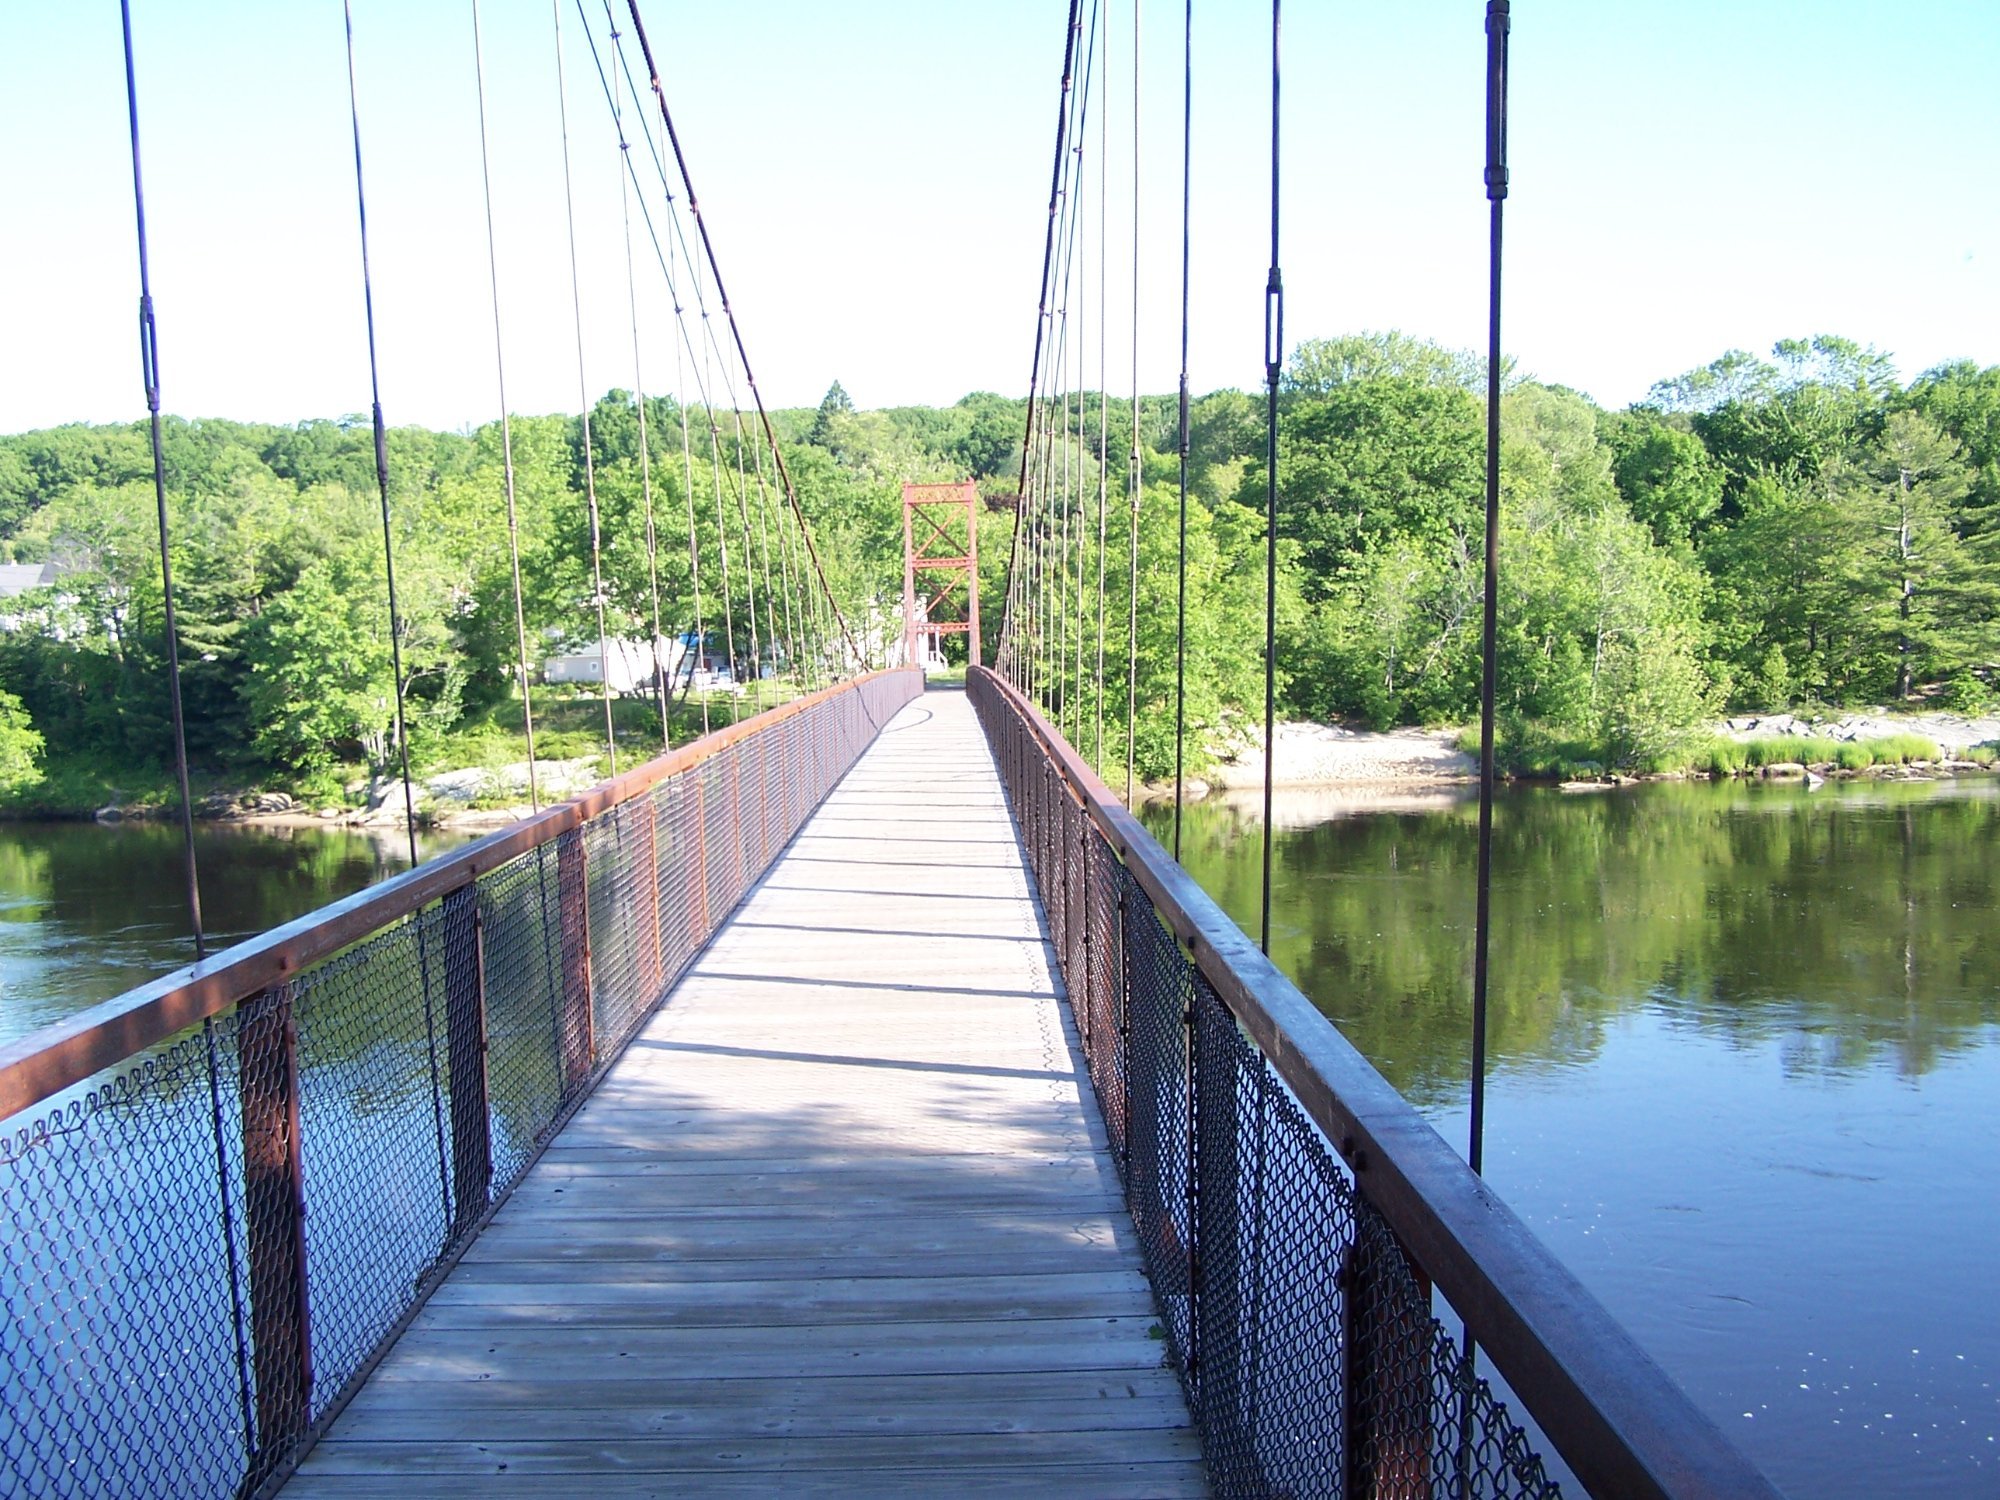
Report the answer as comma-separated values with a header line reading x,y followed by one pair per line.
x,y
1745,1083
1851,924
89,910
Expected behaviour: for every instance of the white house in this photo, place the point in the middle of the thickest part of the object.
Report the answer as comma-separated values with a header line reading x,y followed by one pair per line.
x,y
631,663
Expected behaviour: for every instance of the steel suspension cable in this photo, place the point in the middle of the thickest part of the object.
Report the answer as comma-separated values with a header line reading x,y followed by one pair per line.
x,y
722,546
1274,363
749,568
1103,370
506,421
1065,675
764,552
1008,622
1076,497
622,68
660,684
1497,22
736,333
583,396
1134,477
1180,597
700,649
395,624
381,450
149,363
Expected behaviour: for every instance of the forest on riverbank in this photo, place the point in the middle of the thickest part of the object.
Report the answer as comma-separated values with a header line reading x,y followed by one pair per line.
x,y
1801,530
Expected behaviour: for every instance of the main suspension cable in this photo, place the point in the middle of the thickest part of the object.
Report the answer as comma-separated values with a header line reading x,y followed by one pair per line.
x,y
583,395
149,363
1025,527
736,333
660,685
506,421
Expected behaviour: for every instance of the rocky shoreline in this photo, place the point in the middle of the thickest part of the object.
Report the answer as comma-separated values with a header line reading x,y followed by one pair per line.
x,y
1418,762
1378,767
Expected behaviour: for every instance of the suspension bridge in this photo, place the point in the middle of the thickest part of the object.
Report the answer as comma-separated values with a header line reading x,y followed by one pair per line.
x,y
852,1099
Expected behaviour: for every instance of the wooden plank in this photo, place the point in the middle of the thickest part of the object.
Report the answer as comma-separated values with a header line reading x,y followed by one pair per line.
x,y
841,1221
874,1397
785,1455
1152,1481
767,1304
661,1272
938,1347
810,1416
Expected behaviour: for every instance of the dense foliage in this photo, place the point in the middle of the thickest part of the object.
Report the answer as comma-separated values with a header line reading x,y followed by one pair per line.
x,y
1802,529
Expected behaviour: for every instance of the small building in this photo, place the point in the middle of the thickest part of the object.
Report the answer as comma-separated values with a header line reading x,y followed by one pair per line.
x,y
631,663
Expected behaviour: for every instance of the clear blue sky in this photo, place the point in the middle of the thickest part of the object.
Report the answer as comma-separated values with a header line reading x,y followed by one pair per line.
x,y
1688,178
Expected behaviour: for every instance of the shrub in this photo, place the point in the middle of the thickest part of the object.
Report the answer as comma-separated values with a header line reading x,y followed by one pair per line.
x,y
1984,755
1725,757
1771,750
1854,756
1967,693
1901,749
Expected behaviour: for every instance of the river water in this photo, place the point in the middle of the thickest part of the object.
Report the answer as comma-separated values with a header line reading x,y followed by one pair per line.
x,y
1745,1055
1745,1075
88,910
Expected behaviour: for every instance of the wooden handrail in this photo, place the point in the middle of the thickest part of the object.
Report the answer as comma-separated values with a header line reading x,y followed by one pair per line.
x,y
1619,1421
66,1052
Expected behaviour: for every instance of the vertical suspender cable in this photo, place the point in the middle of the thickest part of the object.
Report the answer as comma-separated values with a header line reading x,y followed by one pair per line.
x,y
149,362
1496,194
1103,366
721,527
1134,478
1082,367
583,397
639,392
1180,597
1274,361
764,552
735,332
749,569
700,648
381,449
1016,595
506,421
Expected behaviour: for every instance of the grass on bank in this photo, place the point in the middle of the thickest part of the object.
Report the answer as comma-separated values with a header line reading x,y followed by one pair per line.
x,y
1548,758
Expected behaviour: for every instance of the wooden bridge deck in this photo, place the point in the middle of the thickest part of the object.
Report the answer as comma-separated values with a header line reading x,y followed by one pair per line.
x,y
842,1221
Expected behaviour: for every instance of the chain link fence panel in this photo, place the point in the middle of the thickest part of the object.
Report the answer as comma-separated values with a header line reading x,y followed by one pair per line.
x,y
208,1247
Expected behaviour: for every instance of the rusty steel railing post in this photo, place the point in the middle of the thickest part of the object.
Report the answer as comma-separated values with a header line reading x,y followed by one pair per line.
x,y
1124,1068
274,1213
699,866
764,849
1385,1375
1192,1195
573,1029
646,862
465,1051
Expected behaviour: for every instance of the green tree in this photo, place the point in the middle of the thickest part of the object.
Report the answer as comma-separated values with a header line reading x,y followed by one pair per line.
x,y
1930,597
20,748
1664,474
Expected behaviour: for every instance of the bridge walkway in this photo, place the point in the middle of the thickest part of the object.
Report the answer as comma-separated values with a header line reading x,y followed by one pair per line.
x,y
842,1220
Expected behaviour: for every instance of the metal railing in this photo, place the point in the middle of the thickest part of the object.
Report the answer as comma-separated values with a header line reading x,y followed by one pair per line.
x,y
207,1248
1298,1216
